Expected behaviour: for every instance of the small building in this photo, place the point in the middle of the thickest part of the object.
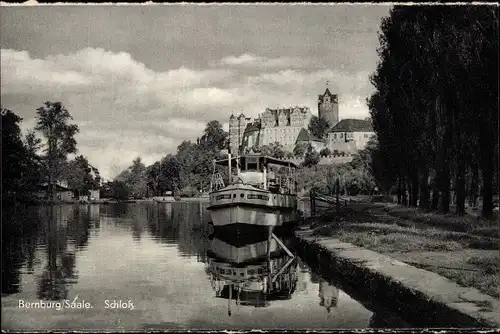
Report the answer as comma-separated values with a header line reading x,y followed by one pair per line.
x,y
62,193
305,137
83,198
350,135
94,194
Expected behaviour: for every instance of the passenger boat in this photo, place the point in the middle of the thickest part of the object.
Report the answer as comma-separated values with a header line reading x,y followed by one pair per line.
x,y
262,194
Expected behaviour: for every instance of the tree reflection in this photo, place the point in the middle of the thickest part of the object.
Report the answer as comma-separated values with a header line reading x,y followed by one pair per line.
x,y
184,224
140,221
18,245
67,230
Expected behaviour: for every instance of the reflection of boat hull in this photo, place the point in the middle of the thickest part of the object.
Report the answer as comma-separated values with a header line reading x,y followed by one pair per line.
x,y
257,298
244,204
246,298
244,234
243,253
251,283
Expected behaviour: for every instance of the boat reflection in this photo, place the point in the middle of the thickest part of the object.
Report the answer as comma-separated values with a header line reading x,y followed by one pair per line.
x,y
253,273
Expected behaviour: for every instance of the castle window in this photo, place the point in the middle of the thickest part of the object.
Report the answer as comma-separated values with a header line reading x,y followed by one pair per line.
x,y
334,136
341,135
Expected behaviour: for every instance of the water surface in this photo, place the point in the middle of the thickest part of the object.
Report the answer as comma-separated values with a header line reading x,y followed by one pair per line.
x,y
151,255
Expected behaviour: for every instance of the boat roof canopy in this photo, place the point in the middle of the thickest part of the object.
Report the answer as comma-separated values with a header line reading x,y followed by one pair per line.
x,y
266,160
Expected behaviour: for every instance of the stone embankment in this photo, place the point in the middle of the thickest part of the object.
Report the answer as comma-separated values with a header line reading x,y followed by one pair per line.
x,y
421,297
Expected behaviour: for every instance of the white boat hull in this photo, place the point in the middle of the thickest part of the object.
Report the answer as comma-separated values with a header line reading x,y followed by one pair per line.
x,y
244,204
250,216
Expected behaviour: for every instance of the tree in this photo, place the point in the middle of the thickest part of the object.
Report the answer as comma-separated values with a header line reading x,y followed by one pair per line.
x,y
34,172
325,152
119,189
311,158
77,173
52,122
255,149
170,172
13,153
318,127
277,150
434,108
135,177
266,150
214,137
299,150
152,176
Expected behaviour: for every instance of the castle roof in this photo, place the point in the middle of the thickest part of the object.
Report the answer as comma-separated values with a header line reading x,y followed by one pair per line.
x,y
251,127
304,135
232,116
288,110
327,92
353,125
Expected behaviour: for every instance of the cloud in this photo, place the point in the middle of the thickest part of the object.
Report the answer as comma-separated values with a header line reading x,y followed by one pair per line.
x,y
241,60
125,109
251,60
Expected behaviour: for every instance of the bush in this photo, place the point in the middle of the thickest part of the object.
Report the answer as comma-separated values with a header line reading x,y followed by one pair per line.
x,y
325,152
188,191
382,199
312,157
353,189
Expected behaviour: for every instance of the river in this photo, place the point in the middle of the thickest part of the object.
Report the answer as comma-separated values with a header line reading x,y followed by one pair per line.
x,y
142,266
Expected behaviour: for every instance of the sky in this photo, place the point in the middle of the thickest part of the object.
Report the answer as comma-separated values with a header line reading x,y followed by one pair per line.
x,y
138,80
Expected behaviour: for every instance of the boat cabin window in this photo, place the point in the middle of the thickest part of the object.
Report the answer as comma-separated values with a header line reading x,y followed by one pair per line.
x,y
252,164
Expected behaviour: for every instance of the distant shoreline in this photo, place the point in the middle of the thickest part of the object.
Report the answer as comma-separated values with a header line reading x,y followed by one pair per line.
x,y
108,201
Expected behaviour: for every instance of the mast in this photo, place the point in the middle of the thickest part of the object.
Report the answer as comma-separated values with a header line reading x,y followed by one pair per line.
x,y
238,300
229,299
238,164
265,177
229,167
269,264
213,175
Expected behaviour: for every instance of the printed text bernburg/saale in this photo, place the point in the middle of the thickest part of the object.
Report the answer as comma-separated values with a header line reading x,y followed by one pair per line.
x,y
74,304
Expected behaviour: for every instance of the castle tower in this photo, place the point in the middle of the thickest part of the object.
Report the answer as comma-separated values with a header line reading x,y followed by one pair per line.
x,y
237,127
328,107
233,134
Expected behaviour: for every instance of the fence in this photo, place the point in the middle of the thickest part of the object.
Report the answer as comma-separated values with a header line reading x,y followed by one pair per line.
x,y
322,203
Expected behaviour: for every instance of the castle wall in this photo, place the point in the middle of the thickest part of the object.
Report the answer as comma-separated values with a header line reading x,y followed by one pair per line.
x,y
286,135
356,141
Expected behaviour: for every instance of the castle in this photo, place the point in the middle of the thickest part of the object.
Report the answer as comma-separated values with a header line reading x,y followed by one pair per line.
x,y
288,126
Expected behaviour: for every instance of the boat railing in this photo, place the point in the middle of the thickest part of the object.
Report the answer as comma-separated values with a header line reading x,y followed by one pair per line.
x,y
284,184
217,182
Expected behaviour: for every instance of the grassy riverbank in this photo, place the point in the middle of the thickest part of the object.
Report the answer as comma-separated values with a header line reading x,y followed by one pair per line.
x,y
463,249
